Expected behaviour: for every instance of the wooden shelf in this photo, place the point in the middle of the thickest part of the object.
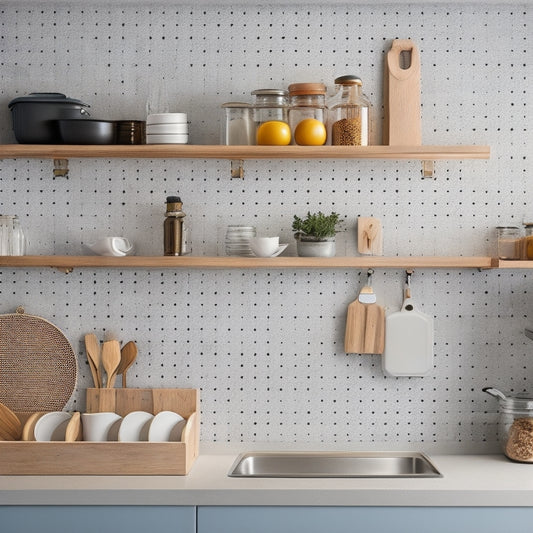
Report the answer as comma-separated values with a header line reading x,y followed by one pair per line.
x,y
67,263
500,263
186,151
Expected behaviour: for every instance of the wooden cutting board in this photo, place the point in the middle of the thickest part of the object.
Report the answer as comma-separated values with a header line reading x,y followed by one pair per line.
x,y
401,94
365,328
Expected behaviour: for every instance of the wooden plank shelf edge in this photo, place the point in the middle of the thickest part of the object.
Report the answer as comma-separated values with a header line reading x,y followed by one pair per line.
x,y
186,151
67,263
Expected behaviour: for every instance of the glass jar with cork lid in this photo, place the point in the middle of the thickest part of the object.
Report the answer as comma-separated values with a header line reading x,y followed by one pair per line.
x,y
307,113
349,113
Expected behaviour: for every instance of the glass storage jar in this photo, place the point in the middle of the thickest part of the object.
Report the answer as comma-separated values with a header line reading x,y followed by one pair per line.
x,y
307,101
527,248
349,113
509,242
515,424
270,104
237,127
12,238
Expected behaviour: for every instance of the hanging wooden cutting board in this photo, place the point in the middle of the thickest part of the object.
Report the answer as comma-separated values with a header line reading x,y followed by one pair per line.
x,y
38,368
365,328
401,95
409,341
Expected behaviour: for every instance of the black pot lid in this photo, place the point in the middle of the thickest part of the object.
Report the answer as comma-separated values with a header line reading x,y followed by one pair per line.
x,y
54,98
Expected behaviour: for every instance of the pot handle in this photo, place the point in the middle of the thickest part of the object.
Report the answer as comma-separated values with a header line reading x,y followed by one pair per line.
x,y
494,392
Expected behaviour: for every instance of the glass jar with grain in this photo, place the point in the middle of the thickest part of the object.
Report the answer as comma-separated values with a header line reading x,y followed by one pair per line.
x,y
349,113
527,249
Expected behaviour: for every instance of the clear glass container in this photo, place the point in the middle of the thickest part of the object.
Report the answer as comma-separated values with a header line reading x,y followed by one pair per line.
x,y
12,238
270,104
307,101
509,242
237,126
349,109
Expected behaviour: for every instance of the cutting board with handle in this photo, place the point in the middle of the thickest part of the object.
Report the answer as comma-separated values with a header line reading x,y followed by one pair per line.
x,y
401,92
409,341
365,324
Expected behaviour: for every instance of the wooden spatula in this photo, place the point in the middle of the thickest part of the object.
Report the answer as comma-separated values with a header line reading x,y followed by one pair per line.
x,y
92,347
111,361
365,323
128,356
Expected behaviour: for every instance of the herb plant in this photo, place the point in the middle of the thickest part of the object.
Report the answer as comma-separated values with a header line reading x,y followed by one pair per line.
x,y
316,225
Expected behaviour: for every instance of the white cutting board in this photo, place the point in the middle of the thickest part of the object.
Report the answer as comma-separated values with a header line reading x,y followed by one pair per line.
x,y
408,342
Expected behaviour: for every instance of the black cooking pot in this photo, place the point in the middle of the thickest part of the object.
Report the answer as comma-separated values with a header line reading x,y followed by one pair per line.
x,y
35,116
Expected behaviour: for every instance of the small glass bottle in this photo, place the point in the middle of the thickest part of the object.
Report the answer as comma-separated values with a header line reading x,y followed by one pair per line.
x,y
174,241
349,113
270,104
307,100
509,242
12,238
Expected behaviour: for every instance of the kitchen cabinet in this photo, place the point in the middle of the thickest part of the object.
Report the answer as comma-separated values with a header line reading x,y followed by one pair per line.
x,y
362,519
103,519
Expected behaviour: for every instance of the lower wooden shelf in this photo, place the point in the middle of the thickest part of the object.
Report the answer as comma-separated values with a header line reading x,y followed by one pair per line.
x,y
67,262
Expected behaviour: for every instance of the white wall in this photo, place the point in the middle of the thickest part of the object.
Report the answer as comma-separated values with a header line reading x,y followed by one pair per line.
x,y
266,347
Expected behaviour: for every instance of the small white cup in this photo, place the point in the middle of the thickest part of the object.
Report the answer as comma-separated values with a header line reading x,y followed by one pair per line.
x,y
112,246
100,427
264,246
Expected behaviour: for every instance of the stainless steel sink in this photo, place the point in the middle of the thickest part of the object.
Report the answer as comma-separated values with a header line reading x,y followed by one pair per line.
x,y
333,464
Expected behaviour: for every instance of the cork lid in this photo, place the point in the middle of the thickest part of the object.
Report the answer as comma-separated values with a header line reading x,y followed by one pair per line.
x,y
306,88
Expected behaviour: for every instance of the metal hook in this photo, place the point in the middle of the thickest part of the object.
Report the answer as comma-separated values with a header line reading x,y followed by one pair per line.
x,y
369,274
408,274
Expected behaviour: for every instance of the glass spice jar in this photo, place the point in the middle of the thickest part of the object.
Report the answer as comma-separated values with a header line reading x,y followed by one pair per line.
x,y
270,104
509,242
237,126
307,101
349,113
527,249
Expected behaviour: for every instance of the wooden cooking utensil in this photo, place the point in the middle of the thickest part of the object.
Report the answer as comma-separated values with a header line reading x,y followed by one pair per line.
x,y
128,356
111,361
73,431
94,357
365,323
401,92
10,426
29,426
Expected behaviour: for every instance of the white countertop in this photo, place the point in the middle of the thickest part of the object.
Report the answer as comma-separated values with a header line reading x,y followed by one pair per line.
x,y
468,480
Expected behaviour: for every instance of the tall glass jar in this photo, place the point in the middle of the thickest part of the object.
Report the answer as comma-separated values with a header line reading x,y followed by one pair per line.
x,y
307,101
237,127
349,113
12,238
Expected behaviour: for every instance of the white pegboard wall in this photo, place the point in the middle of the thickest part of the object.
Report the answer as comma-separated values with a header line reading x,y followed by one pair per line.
x,y
266,347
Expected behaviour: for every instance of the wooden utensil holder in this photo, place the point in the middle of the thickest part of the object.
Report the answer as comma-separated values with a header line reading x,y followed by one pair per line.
x,y
114,458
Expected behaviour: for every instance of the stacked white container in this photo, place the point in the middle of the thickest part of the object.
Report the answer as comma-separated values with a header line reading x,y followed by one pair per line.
x,y
167,128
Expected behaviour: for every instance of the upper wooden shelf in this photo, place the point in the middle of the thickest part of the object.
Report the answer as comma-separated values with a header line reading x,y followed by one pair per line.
x,y
189,151
67,262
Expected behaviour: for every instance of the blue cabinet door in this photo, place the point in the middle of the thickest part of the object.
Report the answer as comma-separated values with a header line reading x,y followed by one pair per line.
x,y
97,519
363,519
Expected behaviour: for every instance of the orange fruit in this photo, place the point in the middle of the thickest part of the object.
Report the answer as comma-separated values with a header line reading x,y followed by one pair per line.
x,y
274,133
310,132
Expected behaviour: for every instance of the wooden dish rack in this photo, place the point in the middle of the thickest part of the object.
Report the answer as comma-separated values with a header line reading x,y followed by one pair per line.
x,y
114,458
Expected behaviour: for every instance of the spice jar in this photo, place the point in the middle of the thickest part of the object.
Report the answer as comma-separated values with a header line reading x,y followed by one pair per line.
x,y
527,248
515,425
237,125
509,242
174,233
307,113
349,113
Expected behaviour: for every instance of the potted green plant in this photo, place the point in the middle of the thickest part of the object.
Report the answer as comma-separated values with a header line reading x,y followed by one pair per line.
x,y
315,234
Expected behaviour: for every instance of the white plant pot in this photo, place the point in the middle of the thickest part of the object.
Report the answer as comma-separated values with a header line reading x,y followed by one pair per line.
x,y
315,248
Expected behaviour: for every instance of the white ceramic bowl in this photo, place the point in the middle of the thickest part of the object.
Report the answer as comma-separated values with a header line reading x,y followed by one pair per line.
x,y
112,246
167,118
264,246
52,426
158,129
167,139
135,427
166,426
100,427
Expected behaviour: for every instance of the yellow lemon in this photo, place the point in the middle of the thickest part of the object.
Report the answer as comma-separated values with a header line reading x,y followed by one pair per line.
x,y
310,132
274,133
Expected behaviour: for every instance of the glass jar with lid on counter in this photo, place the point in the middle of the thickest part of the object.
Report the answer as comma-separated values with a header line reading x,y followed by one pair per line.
x,y
307,113
349,113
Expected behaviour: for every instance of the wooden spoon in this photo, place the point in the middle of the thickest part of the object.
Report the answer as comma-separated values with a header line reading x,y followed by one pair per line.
x,y
128,356
110,360
94,357
73,431
28,431
10,425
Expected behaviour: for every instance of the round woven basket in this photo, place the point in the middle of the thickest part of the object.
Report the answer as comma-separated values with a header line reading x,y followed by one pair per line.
x,y
38,368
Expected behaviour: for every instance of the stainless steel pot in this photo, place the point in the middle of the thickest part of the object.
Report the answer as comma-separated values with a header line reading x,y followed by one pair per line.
x,y
35,116
515,426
